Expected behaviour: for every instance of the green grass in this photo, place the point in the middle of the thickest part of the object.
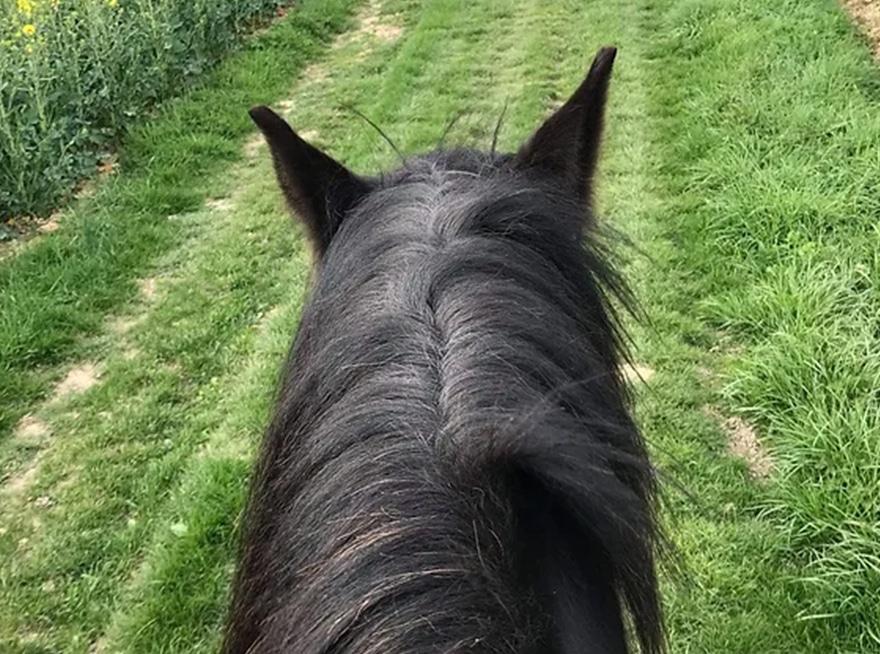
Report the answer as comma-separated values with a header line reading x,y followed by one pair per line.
x,y
771,141
56,293
742,150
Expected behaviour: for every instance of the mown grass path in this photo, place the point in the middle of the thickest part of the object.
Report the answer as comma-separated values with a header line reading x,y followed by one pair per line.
x,y
121,495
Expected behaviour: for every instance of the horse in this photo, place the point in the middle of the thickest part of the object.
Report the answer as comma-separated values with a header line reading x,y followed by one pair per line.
x,y
452,464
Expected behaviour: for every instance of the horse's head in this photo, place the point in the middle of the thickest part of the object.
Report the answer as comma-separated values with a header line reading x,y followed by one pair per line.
x,y
453,399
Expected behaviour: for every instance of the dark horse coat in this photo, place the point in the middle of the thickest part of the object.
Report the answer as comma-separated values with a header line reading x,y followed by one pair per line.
x,y
452,466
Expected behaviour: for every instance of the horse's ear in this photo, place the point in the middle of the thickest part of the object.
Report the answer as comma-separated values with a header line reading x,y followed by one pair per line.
x,y
566,146
317,187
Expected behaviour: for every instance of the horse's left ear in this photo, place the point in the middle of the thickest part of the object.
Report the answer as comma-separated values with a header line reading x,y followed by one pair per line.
x,y
317,187
565,148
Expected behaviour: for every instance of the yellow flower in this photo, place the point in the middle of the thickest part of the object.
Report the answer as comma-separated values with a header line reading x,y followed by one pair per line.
x,y
28,30
112,3
25,7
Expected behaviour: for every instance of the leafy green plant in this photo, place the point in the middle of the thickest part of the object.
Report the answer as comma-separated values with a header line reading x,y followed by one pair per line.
x,y
75,73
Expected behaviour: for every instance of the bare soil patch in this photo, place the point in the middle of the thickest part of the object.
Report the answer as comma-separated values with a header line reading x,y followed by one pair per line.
x,y
634,373
78,380
372,24
51,224
22,481
743,443
253,145
148,288
130,353
31,428
122,324
867,14
220,204
315,74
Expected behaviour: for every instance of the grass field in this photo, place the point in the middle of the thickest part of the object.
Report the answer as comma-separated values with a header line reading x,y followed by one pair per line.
x,y
140,342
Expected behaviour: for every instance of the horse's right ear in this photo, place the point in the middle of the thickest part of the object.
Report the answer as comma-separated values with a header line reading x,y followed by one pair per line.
x,y
566,146
317,187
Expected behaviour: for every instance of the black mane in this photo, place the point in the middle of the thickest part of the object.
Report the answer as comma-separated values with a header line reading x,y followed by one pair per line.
x,y
452,465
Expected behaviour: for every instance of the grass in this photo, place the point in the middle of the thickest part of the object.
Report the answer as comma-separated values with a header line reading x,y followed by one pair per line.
x,y
56,294
741,154
771,137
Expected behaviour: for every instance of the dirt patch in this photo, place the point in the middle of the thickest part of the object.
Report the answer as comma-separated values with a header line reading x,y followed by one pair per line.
x,y
372,27
148,288
130,353
22,481
123,324
313,74
24,231
31,428
705,373
285,106
743,443
109,164
86,187
252,146
99,646
637,372
372,24
220,204
51,224
867,14
78,380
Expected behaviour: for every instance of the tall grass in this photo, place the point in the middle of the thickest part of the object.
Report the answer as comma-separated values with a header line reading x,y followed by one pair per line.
x,y
75,73
772,127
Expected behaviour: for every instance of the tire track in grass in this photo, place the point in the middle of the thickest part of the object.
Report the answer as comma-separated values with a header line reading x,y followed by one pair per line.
x,y
177,322
180,587
192,539
116,451
729,597
125,443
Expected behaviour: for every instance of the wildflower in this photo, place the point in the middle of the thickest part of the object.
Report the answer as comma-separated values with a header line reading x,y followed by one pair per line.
x,y
28,30
112,3
25,7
